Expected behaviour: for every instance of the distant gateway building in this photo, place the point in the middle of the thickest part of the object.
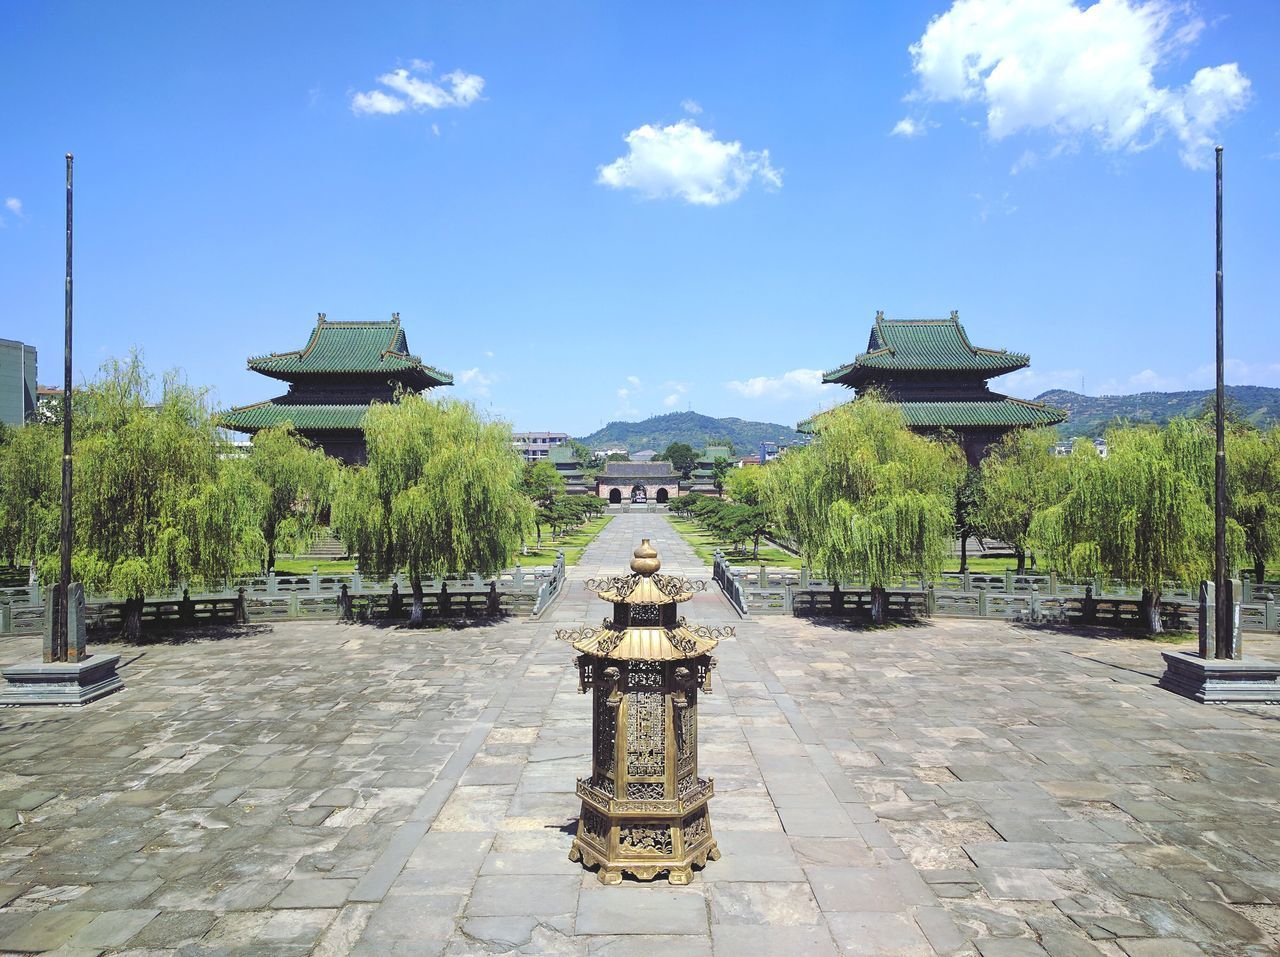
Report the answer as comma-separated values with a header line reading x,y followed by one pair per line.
x,y
638,482
928,368
344,367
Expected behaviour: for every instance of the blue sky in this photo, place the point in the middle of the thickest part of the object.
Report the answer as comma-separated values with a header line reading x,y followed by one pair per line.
x,y
596,211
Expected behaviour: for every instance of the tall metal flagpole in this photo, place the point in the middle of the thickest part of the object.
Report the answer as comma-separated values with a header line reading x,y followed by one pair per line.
x,y
62,638
1222,617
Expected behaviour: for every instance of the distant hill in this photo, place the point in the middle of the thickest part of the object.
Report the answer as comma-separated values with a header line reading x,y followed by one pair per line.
x,y
1090,415
697,430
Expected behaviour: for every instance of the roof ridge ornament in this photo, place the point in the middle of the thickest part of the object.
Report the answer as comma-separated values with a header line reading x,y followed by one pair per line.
x,y
955,315
320,317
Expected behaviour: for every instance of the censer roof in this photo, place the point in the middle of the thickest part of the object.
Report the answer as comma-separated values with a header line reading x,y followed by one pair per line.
x,y
646,642
644,586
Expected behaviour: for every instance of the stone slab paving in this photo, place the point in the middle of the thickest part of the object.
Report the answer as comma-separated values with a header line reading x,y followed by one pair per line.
x,y
953,788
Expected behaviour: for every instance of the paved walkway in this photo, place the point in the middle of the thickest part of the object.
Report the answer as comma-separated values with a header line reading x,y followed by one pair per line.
x,y
954,788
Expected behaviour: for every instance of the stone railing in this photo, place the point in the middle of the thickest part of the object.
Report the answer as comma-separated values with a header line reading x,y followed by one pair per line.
x,y
783,591
283,597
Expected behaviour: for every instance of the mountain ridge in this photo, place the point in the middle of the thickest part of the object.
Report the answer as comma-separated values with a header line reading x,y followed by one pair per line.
x,y
698,430
1091,415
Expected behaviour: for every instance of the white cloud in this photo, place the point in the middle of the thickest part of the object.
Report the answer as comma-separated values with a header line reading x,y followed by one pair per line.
x,y
634,380
1028,383
375,101
419,91
908,127
692,107
475,381
683,160
675,392
1053,65
13,205
797,383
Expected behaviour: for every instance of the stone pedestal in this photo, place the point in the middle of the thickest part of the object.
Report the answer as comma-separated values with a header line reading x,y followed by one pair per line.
x,y
61,683
1221,681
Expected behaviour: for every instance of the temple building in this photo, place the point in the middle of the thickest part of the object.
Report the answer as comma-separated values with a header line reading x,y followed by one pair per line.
x,y
939,380
703,477
344,367
569,468
638,482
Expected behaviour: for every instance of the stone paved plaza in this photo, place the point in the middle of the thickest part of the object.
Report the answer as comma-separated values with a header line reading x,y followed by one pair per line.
x,y
958,787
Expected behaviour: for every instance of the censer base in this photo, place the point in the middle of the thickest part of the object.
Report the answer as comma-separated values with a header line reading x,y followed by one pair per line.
x,y
678,872
643,844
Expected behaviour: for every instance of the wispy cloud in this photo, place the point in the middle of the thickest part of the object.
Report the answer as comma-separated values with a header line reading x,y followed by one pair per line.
x,y
687,162
692,107
415,89
1029,383
475,381
13,206
909,127
1078,71
798,383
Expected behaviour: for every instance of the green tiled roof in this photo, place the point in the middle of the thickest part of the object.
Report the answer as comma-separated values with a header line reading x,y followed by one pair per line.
x,y
999,412
352,347
309,418
925,345
1003,412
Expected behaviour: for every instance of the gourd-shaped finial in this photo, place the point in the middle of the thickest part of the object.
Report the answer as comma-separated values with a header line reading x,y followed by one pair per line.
x,y
646,560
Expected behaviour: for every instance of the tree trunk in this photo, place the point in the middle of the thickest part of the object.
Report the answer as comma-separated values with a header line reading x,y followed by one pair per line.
x,y
964,552
271,555
1022,560
755,547
1151,611
415,610
1259,572
133,618
879,605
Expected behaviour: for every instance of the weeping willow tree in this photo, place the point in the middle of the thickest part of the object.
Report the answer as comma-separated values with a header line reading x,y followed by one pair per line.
x,y
1019,477
868,496
441,493
154,501
1143,514
1253,478
30,487
296,484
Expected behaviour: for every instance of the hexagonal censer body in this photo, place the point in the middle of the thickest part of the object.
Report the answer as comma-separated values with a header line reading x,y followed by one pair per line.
x,y
644,807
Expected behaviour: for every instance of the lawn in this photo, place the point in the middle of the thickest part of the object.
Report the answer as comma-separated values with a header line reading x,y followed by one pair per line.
x,y
705,544
572,545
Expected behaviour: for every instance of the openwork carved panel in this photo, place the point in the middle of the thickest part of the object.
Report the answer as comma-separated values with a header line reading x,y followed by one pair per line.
x,y
645,791
688,783
606,730
595,825
686,726
645,674
646,734
695,828
646,614
646,839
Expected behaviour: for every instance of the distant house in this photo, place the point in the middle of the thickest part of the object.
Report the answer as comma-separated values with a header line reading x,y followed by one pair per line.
x,y
17,381
645,455
536,446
